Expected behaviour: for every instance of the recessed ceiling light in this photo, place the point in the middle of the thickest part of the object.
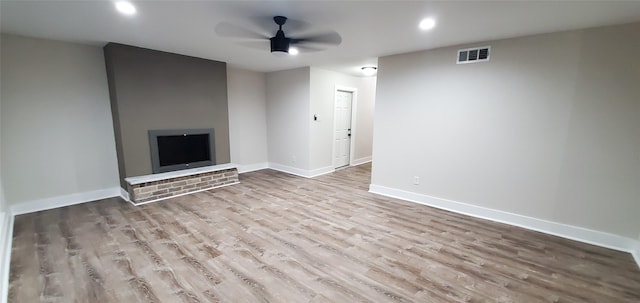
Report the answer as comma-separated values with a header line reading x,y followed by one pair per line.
x,y
427,23
126,8
369,70
293,51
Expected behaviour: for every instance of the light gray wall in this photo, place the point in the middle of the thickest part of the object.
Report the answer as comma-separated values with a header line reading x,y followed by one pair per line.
x,y
3,205
288,116
56,129
323,85
365,114
247,116
157,90
549,128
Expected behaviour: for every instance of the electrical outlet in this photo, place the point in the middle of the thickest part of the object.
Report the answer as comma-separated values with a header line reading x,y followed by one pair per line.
x,y
416,180
293,159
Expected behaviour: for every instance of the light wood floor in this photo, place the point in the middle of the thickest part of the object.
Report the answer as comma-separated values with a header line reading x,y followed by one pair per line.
x,y
280,238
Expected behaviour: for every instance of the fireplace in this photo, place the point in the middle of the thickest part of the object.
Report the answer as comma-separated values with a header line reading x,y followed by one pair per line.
x,y
183,162
177,149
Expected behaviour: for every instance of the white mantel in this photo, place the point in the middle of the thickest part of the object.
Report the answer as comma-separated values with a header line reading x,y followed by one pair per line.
x,y
178,173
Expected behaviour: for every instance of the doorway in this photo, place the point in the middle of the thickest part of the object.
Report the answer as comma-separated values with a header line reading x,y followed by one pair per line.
x,y
344,132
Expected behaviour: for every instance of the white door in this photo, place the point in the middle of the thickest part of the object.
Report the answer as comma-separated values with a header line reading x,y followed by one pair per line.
x,y
343,128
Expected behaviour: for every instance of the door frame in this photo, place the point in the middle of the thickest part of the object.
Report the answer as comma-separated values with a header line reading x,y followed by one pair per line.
x,y
354,107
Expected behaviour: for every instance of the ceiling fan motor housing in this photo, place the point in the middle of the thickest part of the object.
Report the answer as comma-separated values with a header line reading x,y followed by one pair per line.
x,y
280,43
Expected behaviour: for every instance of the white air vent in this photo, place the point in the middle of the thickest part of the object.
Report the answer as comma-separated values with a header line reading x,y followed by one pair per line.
x,y
473,55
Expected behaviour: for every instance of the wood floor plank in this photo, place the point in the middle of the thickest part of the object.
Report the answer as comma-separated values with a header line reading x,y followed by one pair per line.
x,y
280,238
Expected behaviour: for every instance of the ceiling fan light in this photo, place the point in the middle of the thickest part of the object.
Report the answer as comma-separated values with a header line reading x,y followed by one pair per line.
x,y
369,70
125,8
427,24
293,51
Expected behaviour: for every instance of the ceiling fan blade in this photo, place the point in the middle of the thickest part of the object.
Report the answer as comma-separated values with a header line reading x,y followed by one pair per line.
x,y
230,30
308,49
259,45
328,38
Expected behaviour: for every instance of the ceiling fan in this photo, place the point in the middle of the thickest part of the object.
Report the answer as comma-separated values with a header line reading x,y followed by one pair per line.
x,y
280,42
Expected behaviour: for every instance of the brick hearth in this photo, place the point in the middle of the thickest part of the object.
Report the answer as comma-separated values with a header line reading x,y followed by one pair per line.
x,y
162,186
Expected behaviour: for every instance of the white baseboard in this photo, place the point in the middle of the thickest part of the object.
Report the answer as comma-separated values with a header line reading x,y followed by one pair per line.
x,y
636,253
124,194
6,237
4,228
288,169
364,160
558,229
301,172
251,167
7,218
61,201
320,171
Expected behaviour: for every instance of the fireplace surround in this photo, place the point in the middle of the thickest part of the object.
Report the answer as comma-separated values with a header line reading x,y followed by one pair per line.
x,y
155,90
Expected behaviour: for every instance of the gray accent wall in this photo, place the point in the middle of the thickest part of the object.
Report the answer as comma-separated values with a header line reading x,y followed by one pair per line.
x,y
151,89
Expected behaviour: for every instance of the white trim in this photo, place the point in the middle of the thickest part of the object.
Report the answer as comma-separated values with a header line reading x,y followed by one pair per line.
x,y
61,201
178,173
4,220
124,194
301,172
558,229
251,167
288,169
359,161
354,104
320,171
636,253
5,254
184,194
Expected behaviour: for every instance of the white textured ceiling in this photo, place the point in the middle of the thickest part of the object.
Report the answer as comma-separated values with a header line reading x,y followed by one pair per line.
x,y
369,29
